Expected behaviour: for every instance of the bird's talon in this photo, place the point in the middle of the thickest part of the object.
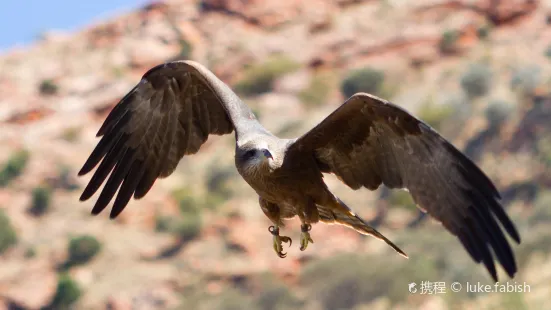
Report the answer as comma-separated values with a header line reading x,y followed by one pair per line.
x,y
286,239
278,241
305,236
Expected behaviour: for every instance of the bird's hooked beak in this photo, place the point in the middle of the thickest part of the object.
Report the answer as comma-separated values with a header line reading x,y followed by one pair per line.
x,y
267,154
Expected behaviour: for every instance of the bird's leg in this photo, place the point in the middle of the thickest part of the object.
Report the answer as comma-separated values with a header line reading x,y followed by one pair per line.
x,y
278,241
305,236
308,214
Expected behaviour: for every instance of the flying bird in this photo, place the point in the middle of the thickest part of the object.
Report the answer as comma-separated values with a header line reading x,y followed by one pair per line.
x,y
366,142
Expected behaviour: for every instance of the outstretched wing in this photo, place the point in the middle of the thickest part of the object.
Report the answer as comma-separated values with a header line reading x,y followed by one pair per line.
x,y
368,141
169,114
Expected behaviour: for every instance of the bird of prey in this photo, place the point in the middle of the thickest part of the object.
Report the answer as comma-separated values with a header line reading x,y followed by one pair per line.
x,y
365,142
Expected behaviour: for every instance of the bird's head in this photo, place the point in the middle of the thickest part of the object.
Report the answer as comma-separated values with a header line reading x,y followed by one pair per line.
x,y
255,158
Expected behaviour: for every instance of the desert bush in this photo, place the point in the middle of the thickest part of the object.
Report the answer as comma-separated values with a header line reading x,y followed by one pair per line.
x,y
276,296
525,80
219,179
230,299
548,51
13,167
163,223
48,87
476,81
515,300
534,240
346,281
185,49
41,198
259,78
82,249
8,236
436,115
498,112
187,200
67,293
541,209
483,32
71,134
187,227
65,179
363,80
543,147
317,92
30,252
448,41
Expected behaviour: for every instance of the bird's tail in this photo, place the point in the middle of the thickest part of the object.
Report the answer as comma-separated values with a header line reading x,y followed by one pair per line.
x,y
357,223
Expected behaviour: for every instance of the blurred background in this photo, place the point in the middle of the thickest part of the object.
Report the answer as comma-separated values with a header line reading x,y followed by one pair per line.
x,y
477,71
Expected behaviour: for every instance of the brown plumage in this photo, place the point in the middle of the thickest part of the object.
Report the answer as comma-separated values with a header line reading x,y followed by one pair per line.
x,y
366,142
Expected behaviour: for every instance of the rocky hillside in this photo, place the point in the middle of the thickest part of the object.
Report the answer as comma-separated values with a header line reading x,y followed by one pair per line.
x,y
477,71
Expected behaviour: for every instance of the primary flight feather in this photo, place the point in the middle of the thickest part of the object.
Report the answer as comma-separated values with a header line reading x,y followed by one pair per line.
x,y
366,142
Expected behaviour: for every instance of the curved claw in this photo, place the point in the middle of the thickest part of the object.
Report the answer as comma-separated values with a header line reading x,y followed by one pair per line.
x,y
278,241
286,239
305,236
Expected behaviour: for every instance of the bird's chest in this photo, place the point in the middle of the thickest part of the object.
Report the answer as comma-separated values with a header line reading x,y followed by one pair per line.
x,y
282,186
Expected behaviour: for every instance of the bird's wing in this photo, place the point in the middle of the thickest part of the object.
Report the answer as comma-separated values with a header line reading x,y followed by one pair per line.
x,y
368,141
168,114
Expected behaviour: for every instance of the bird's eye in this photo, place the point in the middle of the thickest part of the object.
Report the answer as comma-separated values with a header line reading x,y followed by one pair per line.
x,y
249,153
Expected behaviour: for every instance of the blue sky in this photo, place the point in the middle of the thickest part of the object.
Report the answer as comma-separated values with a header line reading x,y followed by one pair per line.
x,y
22,20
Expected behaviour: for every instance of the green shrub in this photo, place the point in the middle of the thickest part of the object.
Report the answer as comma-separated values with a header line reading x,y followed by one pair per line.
x,y
483,32
13,167
273,295
48,87
476,81
259,78
541,209
65,179
436,115
498,112
41,197
233,299
219,181
71,134
543,146
82,249
186,200
188,224
448,41
30,252
346,281
67,293
548,51
526,79
366,80
185,49
534,240
187,227
162,223
8,237
317,92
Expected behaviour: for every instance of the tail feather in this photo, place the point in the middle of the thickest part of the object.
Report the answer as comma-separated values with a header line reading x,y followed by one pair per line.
x,y
353,221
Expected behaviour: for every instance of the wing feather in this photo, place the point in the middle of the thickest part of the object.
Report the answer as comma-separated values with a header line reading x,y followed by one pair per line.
x,y
169,114
368,142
